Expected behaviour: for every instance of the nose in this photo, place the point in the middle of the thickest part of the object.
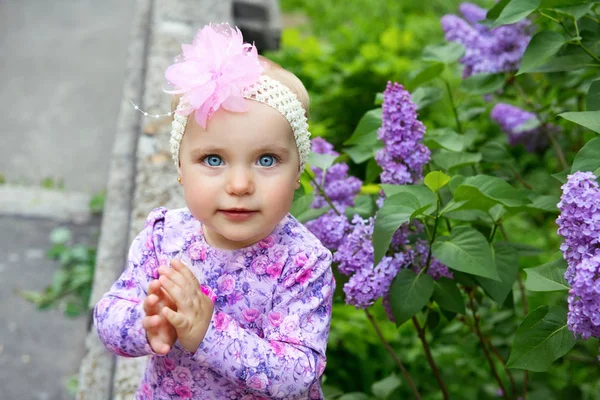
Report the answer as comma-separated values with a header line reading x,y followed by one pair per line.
x,y
240,182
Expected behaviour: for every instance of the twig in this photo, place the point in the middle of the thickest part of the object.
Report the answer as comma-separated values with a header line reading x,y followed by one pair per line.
x,y
484,347
430,360
453,104
389,349
496,353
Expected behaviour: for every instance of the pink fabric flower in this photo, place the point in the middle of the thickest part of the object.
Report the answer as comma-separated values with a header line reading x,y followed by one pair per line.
x,y
222,321
183,392
197,252
226,284
258,381
259,265
267,242
215,70
250,314
274,270
276,318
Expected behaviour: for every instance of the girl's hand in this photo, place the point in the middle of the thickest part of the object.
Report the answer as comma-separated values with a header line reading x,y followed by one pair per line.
x,y
160,333
194,309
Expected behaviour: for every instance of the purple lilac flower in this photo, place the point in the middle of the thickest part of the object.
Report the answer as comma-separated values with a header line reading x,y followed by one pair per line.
x,y
579,219
330,229
584,300
368,284
510,118
487,50
340,188
403,156
579,225
356,251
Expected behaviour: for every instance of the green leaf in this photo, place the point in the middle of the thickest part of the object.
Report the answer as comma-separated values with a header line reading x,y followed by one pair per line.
x,y
436,180
548,277
408,294
545,203
484,191
385,387
466,250
493,151
448,160
507,264
542,46
424,96
561,3
483,83
455,182
588,119
311,213
495,11
576,11
444,138
447,296
541,338
565,63
60,235
373,171
426,74
588,157
323,161
562,176
397,210
593,96
515,11
354,396
365,133
444,53
363,206
360,154
301,203
424,196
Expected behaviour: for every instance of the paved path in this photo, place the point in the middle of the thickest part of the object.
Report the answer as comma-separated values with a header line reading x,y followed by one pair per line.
x,y
63,64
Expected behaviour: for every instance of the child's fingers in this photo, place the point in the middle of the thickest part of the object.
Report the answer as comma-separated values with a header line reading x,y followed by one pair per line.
x,y
180,267
176,319
176,276
151,305
151,323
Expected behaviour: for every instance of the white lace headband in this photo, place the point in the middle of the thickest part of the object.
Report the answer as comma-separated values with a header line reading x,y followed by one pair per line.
x,y
267,91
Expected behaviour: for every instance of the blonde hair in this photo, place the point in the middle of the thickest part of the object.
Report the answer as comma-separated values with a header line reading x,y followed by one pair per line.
x,y
277,72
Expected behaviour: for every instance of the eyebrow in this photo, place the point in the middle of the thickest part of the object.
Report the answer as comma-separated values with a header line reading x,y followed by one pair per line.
x,y
199,151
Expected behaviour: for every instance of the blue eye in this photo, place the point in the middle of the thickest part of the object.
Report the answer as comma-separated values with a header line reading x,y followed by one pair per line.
x,y
267,160
213,160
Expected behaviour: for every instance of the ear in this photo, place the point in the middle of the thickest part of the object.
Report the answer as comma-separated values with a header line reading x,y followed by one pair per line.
x,y
297,183
179,169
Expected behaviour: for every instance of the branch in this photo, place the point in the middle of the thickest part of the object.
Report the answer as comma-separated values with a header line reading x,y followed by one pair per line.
x,y
430,360
389,349
484,347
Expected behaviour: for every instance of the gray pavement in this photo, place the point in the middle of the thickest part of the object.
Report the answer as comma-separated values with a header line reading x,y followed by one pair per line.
x,y
39,351
63,67
62,77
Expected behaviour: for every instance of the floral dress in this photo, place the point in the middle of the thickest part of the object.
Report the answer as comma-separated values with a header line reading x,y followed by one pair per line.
x,y
268,333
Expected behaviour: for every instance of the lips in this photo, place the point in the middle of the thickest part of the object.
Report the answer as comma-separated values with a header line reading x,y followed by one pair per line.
x,y
238,214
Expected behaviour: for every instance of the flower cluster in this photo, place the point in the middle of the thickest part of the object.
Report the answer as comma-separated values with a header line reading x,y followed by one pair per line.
x,y
579,225
487,50
340,189
404,155
510,118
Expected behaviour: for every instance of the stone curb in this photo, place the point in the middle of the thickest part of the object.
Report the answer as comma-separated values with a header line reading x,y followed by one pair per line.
x,y
38,202
97,367
142,175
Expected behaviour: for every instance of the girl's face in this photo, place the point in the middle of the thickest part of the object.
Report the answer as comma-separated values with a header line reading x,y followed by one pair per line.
x,y
239,174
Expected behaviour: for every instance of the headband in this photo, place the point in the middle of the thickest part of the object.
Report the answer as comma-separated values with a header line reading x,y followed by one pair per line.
x,y
219,70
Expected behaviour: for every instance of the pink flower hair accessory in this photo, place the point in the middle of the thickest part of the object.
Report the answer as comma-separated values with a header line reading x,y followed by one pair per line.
x,y
219,70
214,72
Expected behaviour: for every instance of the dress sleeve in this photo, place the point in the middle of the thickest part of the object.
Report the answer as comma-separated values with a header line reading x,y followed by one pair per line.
x,y
118,315
287,360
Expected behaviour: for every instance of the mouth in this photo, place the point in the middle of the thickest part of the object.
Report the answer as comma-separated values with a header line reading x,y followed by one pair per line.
x,y
238,214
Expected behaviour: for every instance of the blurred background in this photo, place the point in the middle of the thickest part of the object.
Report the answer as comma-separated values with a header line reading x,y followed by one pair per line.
x,y
64,65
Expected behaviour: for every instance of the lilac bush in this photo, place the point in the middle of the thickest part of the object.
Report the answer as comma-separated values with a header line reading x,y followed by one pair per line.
x,y
510,117
487,50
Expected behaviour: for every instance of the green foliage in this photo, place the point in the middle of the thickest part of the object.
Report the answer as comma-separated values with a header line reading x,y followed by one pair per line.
x,y
71,284
488,208
97,202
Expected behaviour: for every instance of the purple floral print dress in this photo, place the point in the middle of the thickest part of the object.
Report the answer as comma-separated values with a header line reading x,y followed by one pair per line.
x,y
268,333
